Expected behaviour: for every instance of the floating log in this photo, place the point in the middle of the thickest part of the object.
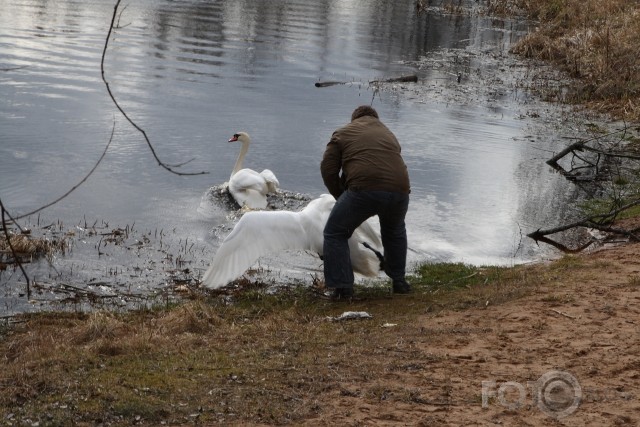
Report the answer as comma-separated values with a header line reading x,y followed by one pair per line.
x,y
326,84
412,78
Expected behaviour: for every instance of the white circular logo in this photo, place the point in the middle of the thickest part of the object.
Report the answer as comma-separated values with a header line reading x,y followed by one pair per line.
x,y
558,394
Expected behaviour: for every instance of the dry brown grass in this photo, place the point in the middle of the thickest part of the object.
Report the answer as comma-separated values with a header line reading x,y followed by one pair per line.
x,y
597,42
263,359
26,246
259,358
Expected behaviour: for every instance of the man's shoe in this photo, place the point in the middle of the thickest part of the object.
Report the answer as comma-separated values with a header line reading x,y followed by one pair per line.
x,y
342,293
401,287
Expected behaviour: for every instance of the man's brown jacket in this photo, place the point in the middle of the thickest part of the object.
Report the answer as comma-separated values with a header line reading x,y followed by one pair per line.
x,y
368,154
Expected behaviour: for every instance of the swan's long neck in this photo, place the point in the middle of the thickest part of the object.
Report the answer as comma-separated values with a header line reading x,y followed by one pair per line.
x,y
243,152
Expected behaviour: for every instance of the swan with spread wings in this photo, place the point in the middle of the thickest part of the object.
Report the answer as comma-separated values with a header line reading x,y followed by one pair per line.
x,y
262,232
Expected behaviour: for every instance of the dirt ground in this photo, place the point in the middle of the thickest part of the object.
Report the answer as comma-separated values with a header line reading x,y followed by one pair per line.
x,y
567,355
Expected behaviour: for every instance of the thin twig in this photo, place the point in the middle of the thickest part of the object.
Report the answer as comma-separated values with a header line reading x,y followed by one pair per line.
x,y
79,183
14,68
13,251
461,278
142,131
563,314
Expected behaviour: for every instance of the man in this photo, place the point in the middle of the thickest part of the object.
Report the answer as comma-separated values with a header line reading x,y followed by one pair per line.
x,y
374,181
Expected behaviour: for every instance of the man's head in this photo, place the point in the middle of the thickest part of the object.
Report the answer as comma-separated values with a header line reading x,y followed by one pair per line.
x,y
364,110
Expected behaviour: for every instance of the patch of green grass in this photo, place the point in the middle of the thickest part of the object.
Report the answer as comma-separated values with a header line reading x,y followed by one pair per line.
x,y
596,128
567,262
4,328
603,206
632,212
259,299
456,275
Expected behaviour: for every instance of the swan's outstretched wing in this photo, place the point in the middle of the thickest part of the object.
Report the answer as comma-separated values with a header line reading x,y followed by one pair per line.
x,y
366,232
261,233
364,260
255,235
314,217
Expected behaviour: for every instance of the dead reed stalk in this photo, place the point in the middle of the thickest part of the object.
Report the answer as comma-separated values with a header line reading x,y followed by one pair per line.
x,y
595,42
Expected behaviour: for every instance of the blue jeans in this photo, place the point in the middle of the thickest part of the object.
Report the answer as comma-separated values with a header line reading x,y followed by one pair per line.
x,y
353,208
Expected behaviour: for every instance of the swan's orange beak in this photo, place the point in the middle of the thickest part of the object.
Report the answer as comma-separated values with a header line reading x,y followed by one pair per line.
x,y
233,138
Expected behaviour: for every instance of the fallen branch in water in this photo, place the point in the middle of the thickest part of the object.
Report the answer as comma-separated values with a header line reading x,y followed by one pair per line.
x,y
10,243
412,78
603,159
598,222
581,146
330,83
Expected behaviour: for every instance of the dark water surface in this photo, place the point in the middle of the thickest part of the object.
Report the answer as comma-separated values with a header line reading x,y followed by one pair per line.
x,y
191,73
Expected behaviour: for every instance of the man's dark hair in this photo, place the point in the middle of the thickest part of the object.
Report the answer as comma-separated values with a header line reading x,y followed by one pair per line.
x,y
364,110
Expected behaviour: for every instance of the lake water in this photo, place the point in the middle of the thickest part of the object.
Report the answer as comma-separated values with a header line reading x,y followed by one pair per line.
x,y
192,73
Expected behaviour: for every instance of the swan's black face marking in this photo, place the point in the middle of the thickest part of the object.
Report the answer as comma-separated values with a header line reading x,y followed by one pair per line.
x,y
234,137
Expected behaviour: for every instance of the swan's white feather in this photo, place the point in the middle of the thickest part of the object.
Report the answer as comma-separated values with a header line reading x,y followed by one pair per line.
x,y
366,265
256,234
272,181
248,187
261,233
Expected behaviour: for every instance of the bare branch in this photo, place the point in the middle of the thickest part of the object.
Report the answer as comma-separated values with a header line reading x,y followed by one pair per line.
x,y
581,145
412,78
138,128
596,222
562,247
604,221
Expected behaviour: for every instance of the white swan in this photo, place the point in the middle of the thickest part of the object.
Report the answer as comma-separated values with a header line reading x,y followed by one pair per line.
x,y
261,233
248,187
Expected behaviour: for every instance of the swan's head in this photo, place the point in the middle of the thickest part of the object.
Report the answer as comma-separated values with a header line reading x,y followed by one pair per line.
x,y
242,137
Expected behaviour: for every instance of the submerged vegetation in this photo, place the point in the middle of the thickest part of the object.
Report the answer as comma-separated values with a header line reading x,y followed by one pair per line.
x,y
596,42
24,247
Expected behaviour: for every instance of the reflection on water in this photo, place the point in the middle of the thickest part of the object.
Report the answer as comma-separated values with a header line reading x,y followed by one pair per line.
x,y
191,73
